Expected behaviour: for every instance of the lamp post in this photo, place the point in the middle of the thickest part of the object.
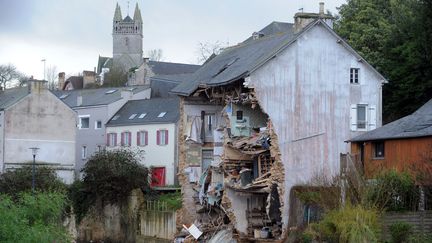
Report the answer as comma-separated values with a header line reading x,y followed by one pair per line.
x,y
34,152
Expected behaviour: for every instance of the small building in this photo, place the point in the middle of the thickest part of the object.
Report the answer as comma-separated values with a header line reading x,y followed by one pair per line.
x,y
94,107
404,145
149,126
33,117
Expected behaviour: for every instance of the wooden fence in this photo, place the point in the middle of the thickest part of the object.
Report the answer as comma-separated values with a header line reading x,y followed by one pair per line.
x,y
157,220
421,221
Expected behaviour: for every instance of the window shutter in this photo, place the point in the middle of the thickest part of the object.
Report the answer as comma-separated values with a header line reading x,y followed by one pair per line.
x,y
146,138
138,138
115,139
107,139
353,117
122,139
372,117
130,139
166,136
158,137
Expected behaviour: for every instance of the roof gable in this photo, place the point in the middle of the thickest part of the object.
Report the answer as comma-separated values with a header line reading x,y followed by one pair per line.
x,y
10,97
239,61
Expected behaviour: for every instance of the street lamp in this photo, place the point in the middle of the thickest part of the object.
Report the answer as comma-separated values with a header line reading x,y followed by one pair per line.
x,y
34,152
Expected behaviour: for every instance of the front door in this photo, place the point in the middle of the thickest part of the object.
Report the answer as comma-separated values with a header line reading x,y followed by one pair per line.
x,y
158,176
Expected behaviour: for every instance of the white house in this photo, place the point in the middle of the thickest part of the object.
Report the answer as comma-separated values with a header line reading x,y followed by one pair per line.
x,y
149,126
94,107
289,97
33,117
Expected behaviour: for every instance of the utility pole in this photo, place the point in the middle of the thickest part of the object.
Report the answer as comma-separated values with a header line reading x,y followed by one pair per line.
x,y
44,61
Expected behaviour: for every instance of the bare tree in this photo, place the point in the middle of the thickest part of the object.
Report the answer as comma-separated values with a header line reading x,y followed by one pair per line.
x,y
155,55
207,49
52,77
8,74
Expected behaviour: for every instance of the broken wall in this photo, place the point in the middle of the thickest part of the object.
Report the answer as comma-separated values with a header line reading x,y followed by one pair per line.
x,y
306,92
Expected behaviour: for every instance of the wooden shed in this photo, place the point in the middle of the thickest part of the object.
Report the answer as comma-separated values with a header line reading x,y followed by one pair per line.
x,y
404,145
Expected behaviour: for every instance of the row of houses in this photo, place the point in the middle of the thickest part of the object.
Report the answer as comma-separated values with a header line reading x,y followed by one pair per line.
x,y
238,134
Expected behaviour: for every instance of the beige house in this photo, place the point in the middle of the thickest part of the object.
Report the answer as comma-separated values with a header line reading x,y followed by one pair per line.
x,y
34,117
150,128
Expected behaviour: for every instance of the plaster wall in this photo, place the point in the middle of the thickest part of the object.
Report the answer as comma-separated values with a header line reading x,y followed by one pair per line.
x,y
153,154
307,94
41,120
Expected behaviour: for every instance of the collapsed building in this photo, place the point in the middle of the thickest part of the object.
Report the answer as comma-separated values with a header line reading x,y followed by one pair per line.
x,y
268,115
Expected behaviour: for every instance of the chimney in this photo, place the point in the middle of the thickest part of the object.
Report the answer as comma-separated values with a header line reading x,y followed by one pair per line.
x,y
79,100
301,19
61,80
127,93
321,8
36,86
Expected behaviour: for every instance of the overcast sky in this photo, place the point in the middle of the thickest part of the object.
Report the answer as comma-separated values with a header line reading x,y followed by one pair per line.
x,y
70,34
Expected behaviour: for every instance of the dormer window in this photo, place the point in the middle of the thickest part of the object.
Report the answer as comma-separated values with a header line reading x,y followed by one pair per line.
x,y
354,75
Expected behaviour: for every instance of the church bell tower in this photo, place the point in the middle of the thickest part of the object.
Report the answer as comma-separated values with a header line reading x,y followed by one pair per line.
x,y
127,39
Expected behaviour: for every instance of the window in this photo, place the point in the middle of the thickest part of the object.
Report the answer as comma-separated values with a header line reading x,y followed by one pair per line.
x,y
162,137
209,120
84,152
239,115
207,158
84,122
98,124
112,139
63,96
142,138
354,75
378,149
132,116
361,116
162,114
142,115
110,91
126,139
115,117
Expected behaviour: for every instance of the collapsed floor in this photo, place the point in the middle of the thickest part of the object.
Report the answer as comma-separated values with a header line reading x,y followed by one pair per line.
x,y
243,190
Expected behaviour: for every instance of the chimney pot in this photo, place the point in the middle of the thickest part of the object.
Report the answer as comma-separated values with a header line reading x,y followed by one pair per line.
x,y
321,8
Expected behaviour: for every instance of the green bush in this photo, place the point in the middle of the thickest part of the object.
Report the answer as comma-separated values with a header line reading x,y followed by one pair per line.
x,y
393,191
31,218
109,176
20,180
173,200
400,232
350,224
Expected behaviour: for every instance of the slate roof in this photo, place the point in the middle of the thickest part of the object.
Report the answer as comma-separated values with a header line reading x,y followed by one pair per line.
x,y
151,107
169,68
128,19
274,28
103,62
418,124
239,61
94,97
9,97
161,85
77,82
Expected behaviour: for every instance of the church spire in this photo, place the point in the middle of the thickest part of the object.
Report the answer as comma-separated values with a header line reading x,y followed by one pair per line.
x,y
137,14
117,14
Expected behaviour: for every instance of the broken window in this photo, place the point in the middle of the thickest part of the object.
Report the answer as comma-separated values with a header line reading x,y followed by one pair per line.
x,y
239,116
207,158
209,121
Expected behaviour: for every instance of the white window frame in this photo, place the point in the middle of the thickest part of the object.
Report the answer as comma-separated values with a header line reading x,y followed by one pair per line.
x,y
96,125
142,138
365,115
126,139
353,72
112,139
80,121
162,136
